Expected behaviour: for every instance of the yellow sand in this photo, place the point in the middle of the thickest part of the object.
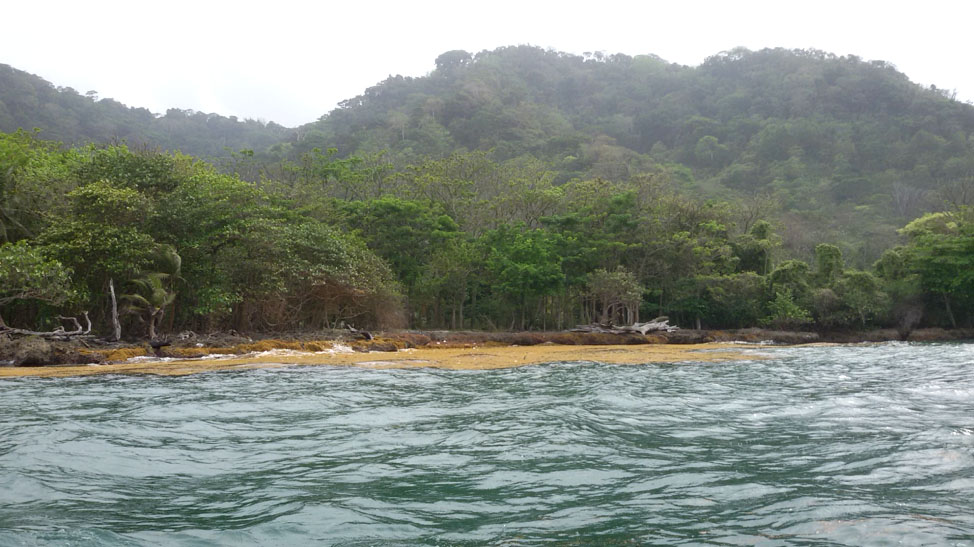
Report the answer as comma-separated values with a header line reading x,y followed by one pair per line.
x,y
446,358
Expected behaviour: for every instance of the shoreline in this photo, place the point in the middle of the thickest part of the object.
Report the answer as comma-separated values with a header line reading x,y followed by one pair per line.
x,y
448,358
31,356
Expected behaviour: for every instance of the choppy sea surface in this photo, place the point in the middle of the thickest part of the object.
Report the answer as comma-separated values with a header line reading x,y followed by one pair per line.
x,y
849,445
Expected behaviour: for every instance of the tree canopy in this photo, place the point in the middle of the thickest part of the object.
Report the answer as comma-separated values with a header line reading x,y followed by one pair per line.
x,y
513,188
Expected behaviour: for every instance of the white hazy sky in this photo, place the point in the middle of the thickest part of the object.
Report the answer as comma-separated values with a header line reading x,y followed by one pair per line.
x,y
291,61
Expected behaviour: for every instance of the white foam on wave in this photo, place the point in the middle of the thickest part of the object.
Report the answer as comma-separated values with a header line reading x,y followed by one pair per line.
x,y
212,356
150,359
335,349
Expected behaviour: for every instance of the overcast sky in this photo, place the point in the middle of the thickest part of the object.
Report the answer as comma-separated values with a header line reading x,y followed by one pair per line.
x,y
291,61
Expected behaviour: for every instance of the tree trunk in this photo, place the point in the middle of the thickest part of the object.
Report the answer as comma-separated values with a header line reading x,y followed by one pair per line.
x,y
950,313
116,326
524,303
461,311
544,314
172,317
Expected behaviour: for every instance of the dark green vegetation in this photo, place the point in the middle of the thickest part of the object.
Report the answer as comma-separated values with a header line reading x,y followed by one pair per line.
x,y
849,150
519,188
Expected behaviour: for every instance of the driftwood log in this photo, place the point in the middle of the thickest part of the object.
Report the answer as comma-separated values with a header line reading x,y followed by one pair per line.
x,y
157,346
363,334
660,324
59,332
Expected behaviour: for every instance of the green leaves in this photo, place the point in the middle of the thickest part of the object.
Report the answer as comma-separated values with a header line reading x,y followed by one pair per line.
x,y
943,260
785,313
26,274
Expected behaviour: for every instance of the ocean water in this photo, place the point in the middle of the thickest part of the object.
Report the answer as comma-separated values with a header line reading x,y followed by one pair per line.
x,y
848,445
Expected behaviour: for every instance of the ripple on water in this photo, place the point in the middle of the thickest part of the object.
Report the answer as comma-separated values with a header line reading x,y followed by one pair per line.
x,y
843,445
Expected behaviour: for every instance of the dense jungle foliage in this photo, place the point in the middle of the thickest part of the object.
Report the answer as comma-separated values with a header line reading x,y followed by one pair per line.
x,y
850,149
462,242
512,189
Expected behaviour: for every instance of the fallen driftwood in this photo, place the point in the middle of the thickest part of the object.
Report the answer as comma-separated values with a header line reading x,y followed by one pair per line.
x,y
56,333
363,334
660,324
157,346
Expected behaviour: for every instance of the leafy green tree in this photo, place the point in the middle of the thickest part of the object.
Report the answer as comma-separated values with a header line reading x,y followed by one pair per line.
x,y
829,264
862,293
34,180
710,153
791,276
104,238
615,295
785,313
151,172
151,300
405,233
447,282
27,275
733,300
524,266
754,250
903,287
942,255
328,277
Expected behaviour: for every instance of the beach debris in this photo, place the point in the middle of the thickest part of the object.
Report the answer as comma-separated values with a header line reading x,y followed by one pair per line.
x,y
660,324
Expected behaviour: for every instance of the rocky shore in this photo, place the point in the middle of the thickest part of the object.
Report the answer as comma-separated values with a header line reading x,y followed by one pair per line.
x,y
35,351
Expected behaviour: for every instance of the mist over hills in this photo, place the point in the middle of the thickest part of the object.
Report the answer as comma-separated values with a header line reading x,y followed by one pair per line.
x,y
842,144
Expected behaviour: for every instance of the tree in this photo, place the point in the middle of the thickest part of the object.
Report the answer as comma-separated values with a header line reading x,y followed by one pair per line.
x,y
828,260
733,300
785,313
451,60
156,289
942,255
791,276
903,287
709,152
616,295
26,274
523,265
862,294
151,301
755,248
405,233
34,179
447,280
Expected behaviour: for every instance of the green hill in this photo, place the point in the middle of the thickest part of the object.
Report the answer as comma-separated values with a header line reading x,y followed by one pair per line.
x,y
844,150
513,189
849,148
62,114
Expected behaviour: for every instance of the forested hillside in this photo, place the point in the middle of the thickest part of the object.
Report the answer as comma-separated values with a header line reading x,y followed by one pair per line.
x,y
848,149
514,189
461,242
62,114
844,150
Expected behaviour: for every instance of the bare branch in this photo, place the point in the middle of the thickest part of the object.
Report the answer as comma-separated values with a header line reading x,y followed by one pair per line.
x,y
56,333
